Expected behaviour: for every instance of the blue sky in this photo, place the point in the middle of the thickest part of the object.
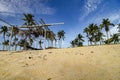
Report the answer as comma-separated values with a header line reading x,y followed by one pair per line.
x,y
76,14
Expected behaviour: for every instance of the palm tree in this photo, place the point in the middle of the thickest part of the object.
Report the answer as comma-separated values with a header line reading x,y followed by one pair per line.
x,y
80,40
61,36
23,43
76,41
51,37
25,34
15,31
6,43
36,32
98,37
115,38
15,43
28,18
92,31
3,30
106,24
86,30
72,43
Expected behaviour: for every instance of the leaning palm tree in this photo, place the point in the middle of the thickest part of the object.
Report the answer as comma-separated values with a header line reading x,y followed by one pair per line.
x,y
106,24
61,36
4,30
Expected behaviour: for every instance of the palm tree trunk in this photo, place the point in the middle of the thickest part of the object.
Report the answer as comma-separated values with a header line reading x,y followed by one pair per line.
x,y
3,44
60,43
51,43
55,43
88,42
3,47
100,42
107,37
15,47
91,43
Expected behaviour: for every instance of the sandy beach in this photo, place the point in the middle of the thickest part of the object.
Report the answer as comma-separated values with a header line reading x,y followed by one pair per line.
x,y
82,63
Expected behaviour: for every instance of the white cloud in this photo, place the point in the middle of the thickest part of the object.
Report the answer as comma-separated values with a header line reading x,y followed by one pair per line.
x,y
25,6
114,17
90,6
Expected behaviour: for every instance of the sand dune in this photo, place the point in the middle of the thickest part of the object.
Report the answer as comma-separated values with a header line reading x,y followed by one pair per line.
x,y
83,63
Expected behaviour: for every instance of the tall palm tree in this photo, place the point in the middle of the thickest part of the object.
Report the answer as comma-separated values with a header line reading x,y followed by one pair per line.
x,y
92,31
4,30
51,37
61,36
15,31
106,24
86,30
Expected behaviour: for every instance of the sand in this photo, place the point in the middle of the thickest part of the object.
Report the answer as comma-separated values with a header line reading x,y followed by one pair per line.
x,y
82,63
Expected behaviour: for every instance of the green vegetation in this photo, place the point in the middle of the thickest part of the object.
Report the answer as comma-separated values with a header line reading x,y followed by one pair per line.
x,y
94,34
78,41
25,37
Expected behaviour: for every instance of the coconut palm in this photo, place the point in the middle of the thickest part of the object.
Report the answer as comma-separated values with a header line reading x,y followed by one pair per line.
x,y
61,36
115,38
91,31
80,40
86,30
36,32
98,37
51,37
28,18
15,43
6,43
15,31
72,43
23,43
4,30
76,41
26,35
106,24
